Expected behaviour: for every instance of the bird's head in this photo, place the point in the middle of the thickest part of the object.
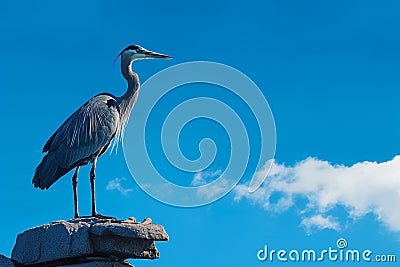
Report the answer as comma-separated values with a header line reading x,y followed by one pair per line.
x,y
135,52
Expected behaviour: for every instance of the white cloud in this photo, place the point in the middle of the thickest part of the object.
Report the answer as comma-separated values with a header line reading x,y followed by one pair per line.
x,y
116,185
217,184
202,178
216,189
260,176
319,222
365,187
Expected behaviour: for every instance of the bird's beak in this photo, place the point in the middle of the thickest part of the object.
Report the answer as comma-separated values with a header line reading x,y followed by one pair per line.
x,y
150,54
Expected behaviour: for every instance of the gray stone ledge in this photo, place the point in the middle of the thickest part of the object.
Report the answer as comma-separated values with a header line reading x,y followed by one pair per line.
x,y
89,237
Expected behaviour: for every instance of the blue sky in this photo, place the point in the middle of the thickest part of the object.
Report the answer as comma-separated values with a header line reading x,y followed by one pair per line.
x,y
329,70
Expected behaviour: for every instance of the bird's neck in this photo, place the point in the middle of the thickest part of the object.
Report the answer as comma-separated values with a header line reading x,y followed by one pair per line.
x,y
128,100
132,79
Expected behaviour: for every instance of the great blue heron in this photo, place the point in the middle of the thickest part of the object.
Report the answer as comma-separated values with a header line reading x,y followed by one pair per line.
x,y
87,133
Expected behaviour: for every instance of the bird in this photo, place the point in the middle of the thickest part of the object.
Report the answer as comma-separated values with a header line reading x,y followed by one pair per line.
x,y
88,132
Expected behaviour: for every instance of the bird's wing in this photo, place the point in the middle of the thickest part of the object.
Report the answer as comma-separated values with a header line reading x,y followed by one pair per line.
x,y
87,130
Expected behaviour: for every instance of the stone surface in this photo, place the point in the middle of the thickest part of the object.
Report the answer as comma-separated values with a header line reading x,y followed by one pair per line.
x,y
100,264
6,262
88,237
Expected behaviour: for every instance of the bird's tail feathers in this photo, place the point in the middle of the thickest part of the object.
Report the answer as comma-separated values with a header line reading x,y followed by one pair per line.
x,y
47,172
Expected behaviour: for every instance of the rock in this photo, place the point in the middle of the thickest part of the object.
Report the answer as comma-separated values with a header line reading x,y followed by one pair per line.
x,y
100,264
79,240
130,220
6,262
147,221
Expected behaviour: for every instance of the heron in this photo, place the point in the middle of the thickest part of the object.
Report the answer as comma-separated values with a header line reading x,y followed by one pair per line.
x,y
88,132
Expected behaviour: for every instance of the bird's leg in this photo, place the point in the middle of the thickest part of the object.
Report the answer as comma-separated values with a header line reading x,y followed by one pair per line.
x,y
92,177
74,186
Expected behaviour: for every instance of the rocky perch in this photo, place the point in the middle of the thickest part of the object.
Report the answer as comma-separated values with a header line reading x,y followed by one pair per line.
x,y
86,242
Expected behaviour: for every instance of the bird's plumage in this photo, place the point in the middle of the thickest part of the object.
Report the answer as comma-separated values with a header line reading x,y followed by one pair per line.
x,y
78,140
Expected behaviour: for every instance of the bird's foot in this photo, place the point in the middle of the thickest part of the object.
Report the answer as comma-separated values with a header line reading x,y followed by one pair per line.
x,y
100,216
